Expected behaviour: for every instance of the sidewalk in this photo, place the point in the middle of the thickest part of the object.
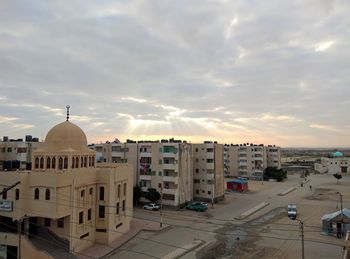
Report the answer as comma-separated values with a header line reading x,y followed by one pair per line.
x,y
136,225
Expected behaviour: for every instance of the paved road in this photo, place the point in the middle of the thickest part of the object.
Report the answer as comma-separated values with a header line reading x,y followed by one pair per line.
x,y
187,226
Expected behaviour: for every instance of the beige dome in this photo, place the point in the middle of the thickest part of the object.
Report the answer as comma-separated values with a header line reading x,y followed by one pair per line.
x,y
66,136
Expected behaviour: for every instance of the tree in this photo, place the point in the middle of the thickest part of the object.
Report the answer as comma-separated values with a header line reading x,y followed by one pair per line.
x,y
137,194
275,173
338,177
152,195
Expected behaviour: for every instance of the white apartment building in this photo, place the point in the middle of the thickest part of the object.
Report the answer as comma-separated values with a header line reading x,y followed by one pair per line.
x,y
166,167
250,160
208,171
336,163
16,154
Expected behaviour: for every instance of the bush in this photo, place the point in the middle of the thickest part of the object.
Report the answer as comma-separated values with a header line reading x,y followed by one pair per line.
x,y
274,173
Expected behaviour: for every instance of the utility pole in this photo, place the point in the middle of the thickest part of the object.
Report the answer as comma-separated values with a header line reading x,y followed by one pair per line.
x,y
161,204
302,238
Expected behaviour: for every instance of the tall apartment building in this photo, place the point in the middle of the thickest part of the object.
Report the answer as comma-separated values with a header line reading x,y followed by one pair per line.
x,y
250,160
16,154
116,152
167,167
208,171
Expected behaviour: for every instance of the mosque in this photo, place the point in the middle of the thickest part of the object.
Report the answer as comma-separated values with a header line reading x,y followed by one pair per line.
x,y
67,198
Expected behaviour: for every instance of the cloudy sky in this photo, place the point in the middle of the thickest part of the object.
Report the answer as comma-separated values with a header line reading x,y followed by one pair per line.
x,y
272,72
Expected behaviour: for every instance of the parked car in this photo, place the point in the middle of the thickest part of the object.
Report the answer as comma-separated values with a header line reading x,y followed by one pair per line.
x,y
151,206
292,211
197,207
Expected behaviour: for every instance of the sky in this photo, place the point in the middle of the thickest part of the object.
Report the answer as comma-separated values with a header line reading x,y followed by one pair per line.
x,y
264,72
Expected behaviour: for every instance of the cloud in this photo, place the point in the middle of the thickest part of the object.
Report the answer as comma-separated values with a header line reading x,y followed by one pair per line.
x,y
233,71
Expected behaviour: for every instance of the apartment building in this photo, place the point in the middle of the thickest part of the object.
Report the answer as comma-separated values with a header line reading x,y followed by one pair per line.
x,y
208,171
166,167
116,152
15,154
250,160
66,197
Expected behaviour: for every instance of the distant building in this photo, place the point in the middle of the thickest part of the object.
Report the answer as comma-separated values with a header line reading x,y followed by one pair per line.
x,y
335,163
16,154
250,160
66,197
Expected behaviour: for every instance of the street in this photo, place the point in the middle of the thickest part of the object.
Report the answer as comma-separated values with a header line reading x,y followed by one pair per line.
x,y
268,233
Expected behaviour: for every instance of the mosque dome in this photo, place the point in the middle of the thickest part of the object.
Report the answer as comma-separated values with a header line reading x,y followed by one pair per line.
x,y
338,154
66,136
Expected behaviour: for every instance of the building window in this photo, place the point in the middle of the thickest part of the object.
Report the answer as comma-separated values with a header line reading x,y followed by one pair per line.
x,y
81,162
101,212
53,163
123,205
9,149
36,194
196,149
17,194
41,163
81,217
77,162
48,162
102,193
47,194
117,208
209,192
60,223
47,222
4,194
60,163
89,214
118,190
197,170
93,161
85,161
124,189
197,191
36,162
91,191
73,162
65,163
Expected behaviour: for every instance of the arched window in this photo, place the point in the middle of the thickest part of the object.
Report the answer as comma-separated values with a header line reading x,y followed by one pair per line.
x,y
65,164
60,163
102,193
89,161
118,190
73,162
53,163
93,161
4,194
82,162
82,193
42,163
36,194
77,162
85,161
47,194
37,162
48,162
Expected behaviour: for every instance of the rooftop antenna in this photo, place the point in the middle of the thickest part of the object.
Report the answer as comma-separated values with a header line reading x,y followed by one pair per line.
x,y
67,112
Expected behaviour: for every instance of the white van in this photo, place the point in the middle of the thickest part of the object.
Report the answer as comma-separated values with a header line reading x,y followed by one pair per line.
x,y
292,211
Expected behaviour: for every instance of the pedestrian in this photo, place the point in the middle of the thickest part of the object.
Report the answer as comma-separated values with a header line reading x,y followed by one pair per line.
x,y
310,188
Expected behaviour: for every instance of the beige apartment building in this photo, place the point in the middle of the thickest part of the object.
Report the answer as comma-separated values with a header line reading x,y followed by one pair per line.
x,y
166,167
67,202
250,160
116,152
208,171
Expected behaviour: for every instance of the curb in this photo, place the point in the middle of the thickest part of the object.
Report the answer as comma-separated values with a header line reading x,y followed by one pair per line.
x,y
287,191
253,210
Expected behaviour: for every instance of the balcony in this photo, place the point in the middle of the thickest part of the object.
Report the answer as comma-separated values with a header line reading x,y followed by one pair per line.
x,y
169,155
243,163
172,191
117,154
169,166
145,177
173,179
145,154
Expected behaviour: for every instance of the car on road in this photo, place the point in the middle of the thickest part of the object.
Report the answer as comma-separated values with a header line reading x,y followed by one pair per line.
x,y
151,206
197,207
292,211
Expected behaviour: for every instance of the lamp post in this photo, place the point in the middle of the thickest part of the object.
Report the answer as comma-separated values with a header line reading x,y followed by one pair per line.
x,y
160,185
302,237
